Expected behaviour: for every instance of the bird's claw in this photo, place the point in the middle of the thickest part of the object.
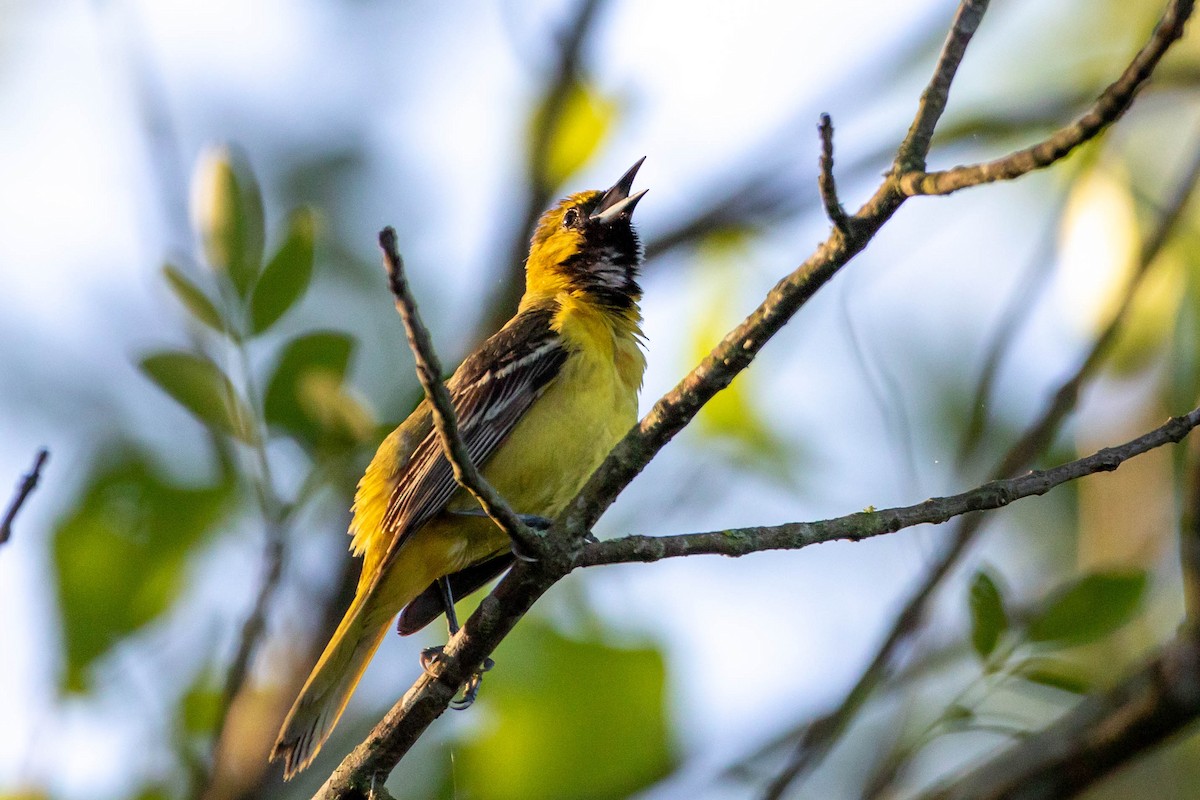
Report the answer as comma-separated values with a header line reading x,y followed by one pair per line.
x,y
540,524
429,657
521,553
471,690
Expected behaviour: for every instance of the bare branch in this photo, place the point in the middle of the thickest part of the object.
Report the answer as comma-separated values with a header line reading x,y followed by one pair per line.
x,y
25,488
429,372
819,736
1096,737
825,181
915,147
866,524
429,696
1111,104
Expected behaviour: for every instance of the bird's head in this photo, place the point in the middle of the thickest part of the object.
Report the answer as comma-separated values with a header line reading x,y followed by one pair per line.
x,y
586,246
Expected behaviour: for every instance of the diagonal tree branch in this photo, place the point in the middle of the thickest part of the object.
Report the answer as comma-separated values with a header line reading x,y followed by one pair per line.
x,y
866,524
1109,106
429,372
915,147
821,734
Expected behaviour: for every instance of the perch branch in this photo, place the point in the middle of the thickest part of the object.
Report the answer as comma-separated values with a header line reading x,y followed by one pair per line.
x,y
866,524
822,733
429,372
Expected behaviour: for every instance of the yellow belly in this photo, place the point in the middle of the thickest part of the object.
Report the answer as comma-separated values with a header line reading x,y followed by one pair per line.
x,y
565,435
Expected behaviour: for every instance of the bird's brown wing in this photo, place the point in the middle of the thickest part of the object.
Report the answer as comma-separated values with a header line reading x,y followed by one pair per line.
x,y
491,391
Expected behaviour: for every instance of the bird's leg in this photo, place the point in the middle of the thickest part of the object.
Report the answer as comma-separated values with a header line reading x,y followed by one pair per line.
x,y
448,603
431,654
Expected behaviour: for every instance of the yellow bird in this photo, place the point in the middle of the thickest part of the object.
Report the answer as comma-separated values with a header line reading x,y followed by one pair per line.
x,y
539,405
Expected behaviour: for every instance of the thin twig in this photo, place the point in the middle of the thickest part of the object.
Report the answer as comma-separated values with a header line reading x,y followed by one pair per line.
x,y
821,734
429,372
866,524
825,181
1109,106
915,147
28,483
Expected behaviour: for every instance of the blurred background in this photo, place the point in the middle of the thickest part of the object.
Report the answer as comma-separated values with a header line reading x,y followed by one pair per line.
x,y
141,657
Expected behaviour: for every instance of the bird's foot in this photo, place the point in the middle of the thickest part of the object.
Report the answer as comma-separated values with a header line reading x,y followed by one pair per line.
x,y
429,657
471,690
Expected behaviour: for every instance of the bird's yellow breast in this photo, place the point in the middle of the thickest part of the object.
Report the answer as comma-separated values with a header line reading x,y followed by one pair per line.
x,y
582,414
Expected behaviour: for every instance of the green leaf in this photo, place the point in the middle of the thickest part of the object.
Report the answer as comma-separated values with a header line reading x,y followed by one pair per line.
x,y
989,620
203,389
306,369
1055,674
287,274
193,298
228,210
581,718
584,118
120,552
1090,608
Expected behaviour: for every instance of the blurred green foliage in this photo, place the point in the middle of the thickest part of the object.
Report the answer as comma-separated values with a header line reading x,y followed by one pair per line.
x,y
121,553
569,717
574,134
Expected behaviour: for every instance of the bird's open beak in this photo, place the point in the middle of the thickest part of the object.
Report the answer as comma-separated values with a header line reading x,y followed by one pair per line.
x,y
617,202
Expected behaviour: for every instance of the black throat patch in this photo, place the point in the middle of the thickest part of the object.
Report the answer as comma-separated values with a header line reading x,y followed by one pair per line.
x,y
606,267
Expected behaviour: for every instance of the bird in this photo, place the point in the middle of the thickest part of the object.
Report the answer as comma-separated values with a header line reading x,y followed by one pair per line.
x,y
539,404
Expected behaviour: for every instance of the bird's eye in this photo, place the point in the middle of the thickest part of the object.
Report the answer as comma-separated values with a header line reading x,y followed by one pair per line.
x,y
571,218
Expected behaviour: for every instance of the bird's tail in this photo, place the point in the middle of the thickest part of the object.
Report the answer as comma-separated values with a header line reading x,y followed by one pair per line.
x,y
328,689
